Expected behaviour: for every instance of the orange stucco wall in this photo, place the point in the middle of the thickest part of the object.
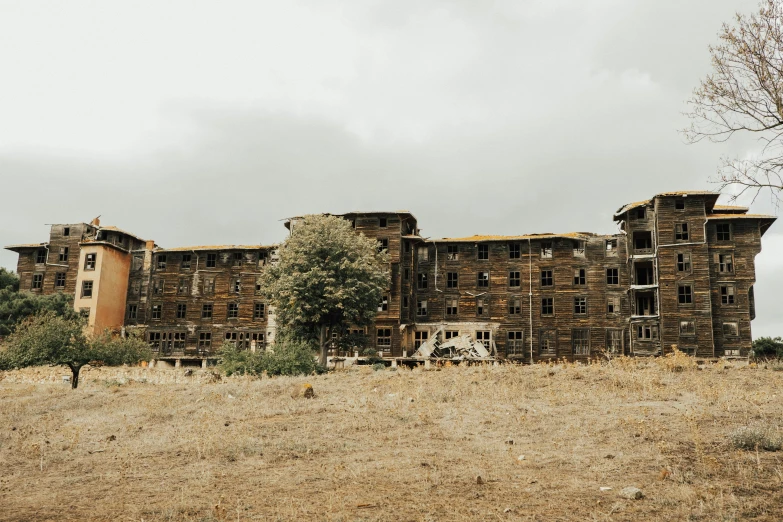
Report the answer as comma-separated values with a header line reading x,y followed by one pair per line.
x,y
110,286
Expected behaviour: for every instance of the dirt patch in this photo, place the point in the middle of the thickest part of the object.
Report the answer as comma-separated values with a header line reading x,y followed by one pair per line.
x,y
140,444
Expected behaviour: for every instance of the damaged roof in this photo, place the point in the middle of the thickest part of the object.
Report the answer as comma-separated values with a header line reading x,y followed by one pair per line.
x,y
215,247
546,235
712,197
112,228
16,248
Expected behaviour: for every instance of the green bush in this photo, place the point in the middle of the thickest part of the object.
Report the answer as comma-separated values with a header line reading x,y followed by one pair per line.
x,y
755,438
768,348
287,357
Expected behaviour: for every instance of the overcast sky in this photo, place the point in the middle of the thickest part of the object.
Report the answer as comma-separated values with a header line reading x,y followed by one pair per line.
x,y
199,122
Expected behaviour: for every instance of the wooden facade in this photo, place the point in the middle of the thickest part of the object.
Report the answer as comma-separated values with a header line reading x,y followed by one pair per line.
x,y
680,272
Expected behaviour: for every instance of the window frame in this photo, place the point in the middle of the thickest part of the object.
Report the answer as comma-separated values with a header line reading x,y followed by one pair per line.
x,y
685,298
514,250
585,348
514,276
682,233
730,295
87,289
612,274
582,306
482,252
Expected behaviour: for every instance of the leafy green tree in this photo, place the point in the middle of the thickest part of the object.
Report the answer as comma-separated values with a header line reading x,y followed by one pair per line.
x,y
8,280
765,347
50,339
15,306
328,278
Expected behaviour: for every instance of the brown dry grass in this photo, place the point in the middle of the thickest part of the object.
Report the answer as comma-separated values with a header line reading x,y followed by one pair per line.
x,y
393,445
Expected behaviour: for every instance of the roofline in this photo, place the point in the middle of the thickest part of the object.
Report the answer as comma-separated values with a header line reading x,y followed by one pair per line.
x,y
630,206
204,248
16,248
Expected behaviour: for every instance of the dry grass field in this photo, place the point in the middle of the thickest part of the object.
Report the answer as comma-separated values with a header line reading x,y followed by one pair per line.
x,y
137,444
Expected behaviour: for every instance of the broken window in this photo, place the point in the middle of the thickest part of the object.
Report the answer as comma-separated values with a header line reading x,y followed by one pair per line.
x,y
421,307
182,310
86,289
452,280
138,263
262,257
610,248
731,329
642,242
483,252
382,222
614,341
579,248
684,262
546,250
157,286
206,311
179,341
580,341
685,294
406,274
204,341
687,328
185,264
514,279
514,306
514,251
259,311
727,294
482,280
423,253
613,304
448,334
681,232
547,306
580,276
133,312
515,344
725,263
643,273
183,286
63,254
383,306
419,338
383,339
407,247
547,344
647,332
679,204
161,262
481,306
89,261
639,213
452,253
211,260
66,231
153,338
383,245
237,259
258,338
40,256
405,301
421,281
612,276
546,277
484,337
37,281
157,311
59,280
233,310
258,286
451,305
209,285
645,303
236,285
580,305
136,287
724,231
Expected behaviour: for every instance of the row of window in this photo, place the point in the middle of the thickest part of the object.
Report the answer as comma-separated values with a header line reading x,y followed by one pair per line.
x,y
729,328
42,255
188,261
207,309
166,342
514,250
158,285
515,278
514,306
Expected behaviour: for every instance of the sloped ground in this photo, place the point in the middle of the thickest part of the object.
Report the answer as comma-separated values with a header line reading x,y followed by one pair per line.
x,y
392,445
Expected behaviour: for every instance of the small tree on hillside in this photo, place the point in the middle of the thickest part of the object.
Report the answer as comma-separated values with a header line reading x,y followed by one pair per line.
x,y
328,278
8,280
49,339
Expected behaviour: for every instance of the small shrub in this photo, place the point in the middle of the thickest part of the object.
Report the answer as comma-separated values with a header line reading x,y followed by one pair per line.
x,y
378,366
372,356
768,348
756,438
235,361
286,357
677,361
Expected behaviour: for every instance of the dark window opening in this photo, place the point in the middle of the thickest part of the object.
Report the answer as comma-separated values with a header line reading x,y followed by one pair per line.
x,y
259,311
681,232
679,204
580,305
546,278
514,280
451,306
547,306
452,253
382,222
206,311
642,242
59,280
724,231
40,257
452,280
483,252
684,262
514,306
86,289
727,294
612,276
185,265
514,251
211,260
580,277
685,294
482,280
645,303
643,273
37,281
182,310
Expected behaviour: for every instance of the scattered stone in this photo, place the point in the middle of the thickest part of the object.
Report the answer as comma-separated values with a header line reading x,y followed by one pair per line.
x,y
111,438
632,493
507,510
226,424
605,488
510,441
479,480
609,456
188,372
521,457
305,390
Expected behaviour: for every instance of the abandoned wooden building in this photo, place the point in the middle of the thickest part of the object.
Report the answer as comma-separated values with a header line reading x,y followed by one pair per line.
x,y
679,272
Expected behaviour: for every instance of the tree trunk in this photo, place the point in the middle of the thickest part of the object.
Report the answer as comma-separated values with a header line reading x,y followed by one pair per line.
x,y
322,358
75,375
